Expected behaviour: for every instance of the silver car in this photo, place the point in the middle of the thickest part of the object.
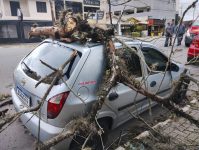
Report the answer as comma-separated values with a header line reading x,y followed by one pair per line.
x,y
83,75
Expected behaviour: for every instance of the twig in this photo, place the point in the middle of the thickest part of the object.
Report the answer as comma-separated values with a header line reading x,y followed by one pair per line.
x,y
83,146
2,112
120,137
102,141
141,119
73,91
98,124
59,71
47,65
116,139
6,102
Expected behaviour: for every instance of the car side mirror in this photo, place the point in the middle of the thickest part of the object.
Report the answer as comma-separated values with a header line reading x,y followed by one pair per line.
x,y
174,67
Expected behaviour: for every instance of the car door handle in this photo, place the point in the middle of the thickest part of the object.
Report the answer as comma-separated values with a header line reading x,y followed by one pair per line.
x,y
153,83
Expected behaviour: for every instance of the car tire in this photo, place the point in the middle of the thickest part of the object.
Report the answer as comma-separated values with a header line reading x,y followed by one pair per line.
x,y
187,44
189,58
95,141
181,94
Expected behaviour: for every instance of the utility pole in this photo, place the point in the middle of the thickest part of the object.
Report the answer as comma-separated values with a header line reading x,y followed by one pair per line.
x,y
194,12
64,4
52,11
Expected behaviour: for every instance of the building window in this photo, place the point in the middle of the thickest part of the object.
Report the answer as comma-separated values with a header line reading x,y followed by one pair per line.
x,y
91,9
117,13
14,5
41,7
128,12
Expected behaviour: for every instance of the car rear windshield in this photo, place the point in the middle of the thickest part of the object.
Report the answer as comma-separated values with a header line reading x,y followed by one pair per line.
x,y
196,23
52,54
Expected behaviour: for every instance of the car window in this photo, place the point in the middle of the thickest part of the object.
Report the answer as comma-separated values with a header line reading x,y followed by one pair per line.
x,y
133,62
154,59
54,55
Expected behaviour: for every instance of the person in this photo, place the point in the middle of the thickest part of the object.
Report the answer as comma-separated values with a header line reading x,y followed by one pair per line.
x,y
172,31
179,33
19,14
168,34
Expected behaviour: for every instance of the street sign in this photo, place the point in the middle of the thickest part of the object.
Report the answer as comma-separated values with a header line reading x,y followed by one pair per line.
x,y
100,15
92,2
92,16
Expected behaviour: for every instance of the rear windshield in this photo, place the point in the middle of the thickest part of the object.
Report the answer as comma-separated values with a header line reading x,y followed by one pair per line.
x,y
54,55
196,23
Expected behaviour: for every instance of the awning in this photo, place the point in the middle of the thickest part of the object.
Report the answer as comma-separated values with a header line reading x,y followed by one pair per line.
x,y
133,20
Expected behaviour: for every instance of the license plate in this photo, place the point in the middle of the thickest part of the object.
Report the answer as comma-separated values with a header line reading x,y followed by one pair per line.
x,y
23,96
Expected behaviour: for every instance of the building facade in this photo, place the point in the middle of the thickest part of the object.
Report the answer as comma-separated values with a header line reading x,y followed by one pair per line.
x,y
84,7
157,9
155,12
13,28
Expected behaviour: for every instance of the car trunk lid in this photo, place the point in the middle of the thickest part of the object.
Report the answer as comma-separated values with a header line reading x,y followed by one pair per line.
x,y
30,70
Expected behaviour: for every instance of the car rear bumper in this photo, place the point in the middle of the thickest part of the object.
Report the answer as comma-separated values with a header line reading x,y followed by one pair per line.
x,y
193,51
31,121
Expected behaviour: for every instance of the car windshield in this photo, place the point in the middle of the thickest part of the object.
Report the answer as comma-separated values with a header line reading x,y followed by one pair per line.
x,y
54,55
196,23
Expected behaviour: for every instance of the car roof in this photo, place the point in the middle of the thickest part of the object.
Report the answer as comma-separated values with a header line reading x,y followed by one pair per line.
x,y
85,47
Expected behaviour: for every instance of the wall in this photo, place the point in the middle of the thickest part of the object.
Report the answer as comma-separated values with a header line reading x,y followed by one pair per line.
x,y
163,9
29,10
34,15
160,9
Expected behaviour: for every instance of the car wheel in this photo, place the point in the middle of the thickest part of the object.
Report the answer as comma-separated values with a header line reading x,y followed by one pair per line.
x,y
187,44
188,59
95,141
182,90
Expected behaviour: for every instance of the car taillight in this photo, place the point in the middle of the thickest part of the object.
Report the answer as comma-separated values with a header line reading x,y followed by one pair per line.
x,y
55,105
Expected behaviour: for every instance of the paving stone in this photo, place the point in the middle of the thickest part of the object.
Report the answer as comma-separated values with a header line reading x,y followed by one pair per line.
x,y
197,140
182,134
173,134
180,139
193,136
180,128
181,120
168,130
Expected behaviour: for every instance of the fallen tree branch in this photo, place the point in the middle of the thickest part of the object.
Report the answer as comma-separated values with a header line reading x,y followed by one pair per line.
x,y
6,102
74,126
3,112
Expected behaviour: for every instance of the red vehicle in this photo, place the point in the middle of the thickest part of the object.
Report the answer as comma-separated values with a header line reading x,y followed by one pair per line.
x,y
192,31
193,50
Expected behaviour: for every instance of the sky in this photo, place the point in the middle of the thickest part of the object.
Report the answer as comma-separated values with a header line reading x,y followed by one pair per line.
x,y
192,13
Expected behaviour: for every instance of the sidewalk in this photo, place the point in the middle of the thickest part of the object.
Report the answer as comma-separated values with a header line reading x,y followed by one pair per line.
x,y
182,134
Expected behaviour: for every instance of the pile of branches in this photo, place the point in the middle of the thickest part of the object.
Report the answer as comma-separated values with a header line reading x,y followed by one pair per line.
x,y
73,28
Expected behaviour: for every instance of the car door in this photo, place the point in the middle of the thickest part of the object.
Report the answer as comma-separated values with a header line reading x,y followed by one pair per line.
x,y
123,98
157,81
